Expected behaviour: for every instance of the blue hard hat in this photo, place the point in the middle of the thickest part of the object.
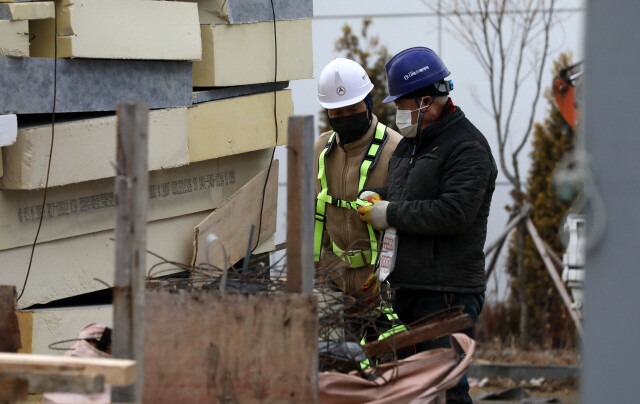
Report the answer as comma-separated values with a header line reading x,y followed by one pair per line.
x,y
413,69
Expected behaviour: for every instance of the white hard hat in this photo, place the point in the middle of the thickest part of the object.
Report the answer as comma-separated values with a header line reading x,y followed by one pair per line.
x,y
343,82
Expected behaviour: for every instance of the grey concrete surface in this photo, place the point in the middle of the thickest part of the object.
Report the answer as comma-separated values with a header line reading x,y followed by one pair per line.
x,y
85,85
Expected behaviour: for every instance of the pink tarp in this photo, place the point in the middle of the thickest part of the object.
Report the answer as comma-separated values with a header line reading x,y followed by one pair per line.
x,y
420,378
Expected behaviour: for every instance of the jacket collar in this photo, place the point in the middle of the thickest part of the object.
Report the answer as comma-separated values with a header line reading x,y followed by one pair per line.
x,y
359,146
439,127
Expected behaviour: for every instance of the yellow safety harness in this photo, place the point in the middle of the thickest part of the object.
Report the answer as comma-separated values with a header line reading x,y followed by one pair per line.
x,y
359,258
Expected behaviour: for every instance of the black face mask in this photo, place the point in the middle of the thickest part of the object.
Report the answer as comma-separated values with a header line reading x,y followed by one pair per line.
x,y
351,127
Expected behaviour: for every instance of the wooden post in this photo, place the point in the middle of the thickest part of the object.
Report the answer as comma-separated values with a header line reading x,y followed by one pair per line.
x,y
300,209
131,191
554,274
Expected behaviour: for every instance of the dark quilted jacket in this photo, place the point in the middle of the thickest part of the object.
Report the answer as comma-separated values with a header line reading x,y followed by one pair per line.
x,y
440,190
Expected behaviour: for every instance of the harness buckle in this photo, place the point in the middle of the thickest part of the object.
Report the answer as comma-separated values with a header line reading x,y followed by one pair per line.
x,y
357,258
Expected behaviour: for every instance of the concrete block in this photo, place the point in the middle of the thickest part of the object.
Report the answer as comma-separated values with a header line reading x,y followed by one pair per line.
x,y
225,64
91,85
125,29
65,268
238,125
89,207
14,38
27,11
8,130
245,11
220,93
85,150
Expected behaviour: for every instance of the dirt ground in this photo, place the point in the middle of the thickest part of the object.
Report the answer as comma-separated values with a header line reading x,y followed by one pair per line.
x,y
564,390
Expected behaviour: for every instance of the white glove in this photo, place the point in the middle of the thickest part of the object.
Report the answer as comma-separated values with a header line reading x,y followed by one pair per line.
x,y
379,215
365,194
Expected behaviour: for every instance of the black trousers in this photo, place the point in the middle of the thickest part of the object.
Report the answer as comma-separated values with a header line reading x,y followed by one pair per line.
x,y
414,304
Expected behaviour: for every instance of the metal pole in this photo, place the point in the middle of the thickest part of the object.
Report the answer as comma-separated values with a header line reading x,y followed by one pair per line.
x,y
554,274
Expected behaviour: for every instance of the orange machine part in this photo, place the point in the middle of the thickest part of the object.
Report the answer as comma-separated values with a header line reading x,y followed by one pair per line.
x,y
564,94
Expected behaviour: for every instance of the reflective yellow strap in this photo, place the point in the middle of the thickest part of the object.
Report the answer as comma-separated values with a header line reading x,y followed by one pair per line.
x,y
321,203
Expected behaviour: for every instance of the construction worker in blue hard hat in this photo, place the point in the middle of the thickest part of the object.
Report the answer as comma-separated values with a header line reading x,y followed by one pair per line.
x,y
441,180
353,155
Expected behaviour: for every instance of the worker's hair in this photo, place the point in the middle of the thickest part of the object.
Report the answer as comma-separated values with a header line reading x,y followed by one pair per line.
x,y
441,99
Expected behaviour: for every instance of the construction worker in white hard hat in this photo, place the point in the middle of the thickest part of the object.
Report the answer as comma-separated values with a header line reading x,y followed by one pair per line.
x,y
353,155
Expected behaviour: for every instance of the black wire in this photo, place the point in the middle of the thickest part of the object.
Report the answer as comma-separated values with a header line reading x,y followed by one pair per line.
x,y
275,120
53,124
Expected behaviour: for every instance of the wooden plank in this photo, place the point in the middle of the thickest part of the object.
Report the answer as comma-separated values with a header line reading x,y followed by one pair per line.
x,y
26,162
247,11
230,347
68,382
86,85
117,372
89,207
426,332
223,65
124,29
300,209
9,329
64,268
131,189
39,10
221,128
14,38
13,389
231,222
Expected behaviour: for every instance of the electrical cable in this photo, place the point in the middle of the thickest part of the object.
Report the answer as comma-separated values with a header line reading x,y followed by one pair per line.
x,y
53,124
275,121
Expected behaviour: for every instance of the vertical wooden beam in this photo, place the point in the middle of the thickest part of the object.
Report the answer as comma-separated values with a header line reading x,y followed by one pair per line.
x,y
9,330
131,191
300,209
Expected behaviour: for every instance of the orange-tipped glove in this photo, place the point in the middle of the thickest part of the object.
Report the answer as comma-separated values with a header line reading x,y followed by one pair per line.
x,y
372,281
375,214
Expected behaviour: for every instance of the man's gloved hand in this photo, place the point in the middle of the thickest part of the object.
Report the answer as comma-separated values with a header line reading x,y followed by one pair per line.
x,y
370,196
376,214
372,282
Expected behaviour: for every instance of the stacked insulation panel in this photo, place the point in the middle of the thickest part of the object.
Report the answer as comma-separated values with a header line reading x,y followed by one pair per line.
x,y
207,70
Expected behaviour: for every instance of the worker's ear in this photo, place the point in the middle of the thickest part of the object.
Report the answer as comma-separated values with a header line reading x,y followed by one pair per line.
x,y
426,101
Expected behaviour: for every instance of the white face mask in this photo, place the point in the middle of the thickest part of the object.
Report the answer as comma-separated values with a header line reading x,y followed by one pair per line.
x,y
403,121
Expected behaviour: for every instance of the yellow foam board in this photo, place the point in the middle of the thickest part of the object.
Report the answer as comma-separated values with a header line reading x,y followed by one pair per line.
x,y
14,38
89,207
212,11
244,53
238,125
124,29
51,325
85,150
64,268
31,11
